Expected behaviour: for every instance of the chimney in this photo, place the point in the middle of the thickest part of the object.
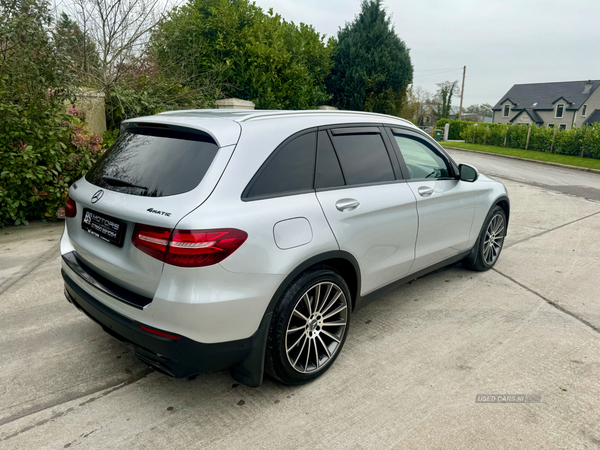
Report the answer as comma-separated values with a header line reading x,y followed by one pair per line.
x,y
588,87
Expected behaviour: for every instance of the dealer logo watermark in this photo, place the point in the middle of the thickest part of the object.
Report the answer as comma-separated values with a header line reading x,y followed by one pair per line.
x,y
508,398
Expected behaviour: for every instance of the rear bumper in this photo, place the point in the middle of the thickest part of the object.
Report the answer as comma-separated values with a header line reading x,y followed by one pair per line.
x,y
182,357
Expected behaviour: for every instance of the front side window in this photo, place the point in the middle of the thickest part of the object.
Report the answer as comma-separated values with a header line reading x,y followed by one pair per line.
x,y
364,158
584,110
562,126
506,111
550,125
290,169
422,161
559,111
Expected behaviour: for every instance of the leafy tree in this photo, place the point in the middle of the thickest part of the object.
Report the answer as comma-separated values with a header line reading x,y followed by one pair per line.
x,y
444,95
30,61
145,90
78,46
251,54
479,112
372,67
485,109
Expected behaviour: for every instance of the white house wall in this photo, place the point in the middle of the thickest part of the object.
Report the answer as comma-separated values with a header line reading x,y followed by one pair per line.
x,y
593,102
548,117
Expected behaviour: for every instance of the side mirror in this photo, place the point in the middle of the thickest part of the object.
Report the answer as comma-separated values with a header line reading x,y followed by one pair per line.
x,y
468,173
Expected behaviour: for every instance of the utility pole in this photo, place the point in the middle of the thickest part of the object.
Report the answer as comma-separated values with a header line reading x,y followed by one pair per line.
x,y
462,90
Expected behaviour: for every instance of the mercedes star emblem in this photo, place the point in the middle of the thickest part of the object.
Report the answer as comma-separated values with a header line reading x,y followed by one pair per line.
x,y
97,196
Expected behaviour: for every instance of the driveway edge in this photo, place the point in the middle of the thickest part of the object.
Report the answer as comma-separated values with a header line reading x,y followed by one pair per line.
x,y
547,163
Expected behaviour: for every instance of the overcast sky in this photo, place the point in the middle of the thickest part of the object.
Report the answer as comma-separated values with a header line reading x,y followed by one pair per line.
x,y
502,42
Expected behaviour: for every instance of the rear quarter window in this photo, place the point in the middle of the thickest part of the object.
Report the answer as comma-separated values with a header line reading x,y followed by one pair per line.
x,y
154,163
290,169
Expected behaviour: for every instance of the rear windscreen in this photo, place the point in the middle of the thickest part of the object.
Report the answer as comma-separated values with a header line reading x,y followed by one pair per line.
x,y
154,163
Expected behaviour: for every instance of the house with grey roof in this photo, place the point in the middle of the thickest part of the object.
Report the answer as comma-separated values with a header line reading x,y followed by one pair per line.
x,y
564,104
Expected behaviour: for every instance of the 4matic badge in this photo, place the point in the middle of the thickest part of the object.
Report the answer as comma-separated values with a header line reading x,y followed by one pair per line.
x,y
162,213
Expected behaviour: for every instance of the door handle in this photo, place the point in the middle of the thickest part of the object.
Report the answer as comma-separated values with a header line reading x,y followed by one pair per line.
x,y
425,191
347,204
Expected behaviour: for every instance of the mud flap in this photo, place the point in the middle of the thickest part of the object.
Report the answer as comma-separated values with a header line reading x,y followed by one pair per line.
x,y
251,370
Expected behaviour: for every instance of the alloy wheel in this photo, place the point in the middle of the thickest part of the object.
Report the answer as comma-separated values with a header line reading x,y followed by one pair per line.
x,y
316,327
494,238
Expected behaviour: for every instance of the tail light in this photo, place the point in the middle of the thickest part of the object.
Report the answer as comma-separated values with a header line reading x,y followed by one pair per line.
x,y
188,248
70,208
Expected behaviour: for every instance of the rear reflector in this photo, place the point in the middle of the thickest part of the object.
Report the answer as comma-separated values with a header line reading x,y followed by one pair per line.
x,y
70,208
159,333
188,248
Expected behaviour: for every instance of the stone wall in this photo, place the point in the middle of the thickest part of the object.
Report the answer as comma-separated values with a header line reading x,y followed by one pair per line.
x,y
91,102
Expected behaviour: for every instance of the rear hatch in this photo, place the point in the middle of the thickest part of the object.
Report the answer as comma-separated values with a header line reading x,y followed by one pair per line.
x,y
153,175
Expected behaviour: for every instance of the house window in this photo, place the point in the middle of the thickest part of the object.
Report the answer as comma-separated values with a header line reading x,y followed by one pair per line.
x,y
506,111
560,109
562,126
584,110
550,125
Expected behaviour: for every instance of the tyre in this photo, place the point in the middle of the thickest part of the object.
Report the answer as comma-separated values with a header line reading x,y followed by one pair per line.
x,y
489,244
309,326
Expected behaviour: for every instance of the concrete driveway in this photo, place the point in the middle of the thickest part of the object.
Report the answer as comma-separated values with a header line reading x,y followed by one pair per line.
x,y
407,379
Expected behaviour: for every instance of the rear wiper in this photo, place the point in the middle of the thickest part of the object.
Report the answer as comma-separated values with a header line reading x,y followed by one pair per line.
x,y
118,182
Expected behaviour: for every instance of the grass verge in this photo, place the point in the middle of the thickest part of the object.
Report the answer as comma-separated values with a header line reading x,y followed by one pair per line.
x,y
530,154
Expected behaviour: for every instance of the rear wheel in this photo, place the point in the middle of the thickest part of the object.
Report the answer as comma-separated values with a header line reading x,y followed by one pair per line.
x,y
489,244
309,326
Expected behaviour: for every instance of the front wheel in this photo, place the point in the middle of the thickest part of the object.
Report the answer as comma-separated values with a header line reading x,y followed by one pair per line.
x,y
309,327
489,244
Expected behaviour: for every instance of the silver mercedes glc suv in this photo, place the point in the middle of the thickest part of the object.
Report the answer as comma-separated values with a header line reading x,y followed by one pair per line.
x,y
244,240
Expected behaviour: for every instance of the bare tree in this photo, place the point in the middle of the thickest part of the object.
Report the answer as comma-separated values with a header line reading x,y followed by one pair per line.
x,y
119,30
417,107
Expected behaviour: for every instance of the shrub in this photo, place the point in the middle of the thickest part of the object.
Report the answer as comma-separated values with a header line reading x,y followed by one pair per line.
x,y
541,139
42,147
38,166
456,127
592,142
569,142
496,134
249,53
109,137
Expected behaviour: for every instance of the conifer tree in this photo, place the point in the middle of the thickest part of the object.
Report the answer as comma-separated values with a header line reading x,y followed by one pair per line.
x,y
372,67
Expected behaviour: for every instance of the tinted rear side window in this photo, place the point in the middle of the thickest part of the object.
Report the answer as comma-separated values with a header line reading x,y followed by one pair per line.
x,y
329,172
157,162
289,169
364,158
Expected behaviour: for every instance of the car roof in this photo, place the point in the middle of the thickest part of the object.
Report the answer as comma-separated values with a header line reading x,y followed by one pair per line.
x,y
225,125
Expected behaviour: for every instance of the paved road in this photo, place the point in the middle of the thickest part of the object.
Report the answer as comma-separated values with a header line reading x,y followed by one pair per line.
x,y
407,379
570,181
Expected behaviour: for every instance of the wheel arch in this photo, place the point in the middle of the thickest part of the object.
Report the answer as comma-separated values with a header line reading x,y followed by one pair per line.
x,y
342,262
504,203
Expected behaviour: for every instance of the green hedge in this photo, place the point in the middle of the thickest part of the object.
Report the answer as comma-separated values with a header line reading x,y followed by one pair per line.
x,y
456,127
568,142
